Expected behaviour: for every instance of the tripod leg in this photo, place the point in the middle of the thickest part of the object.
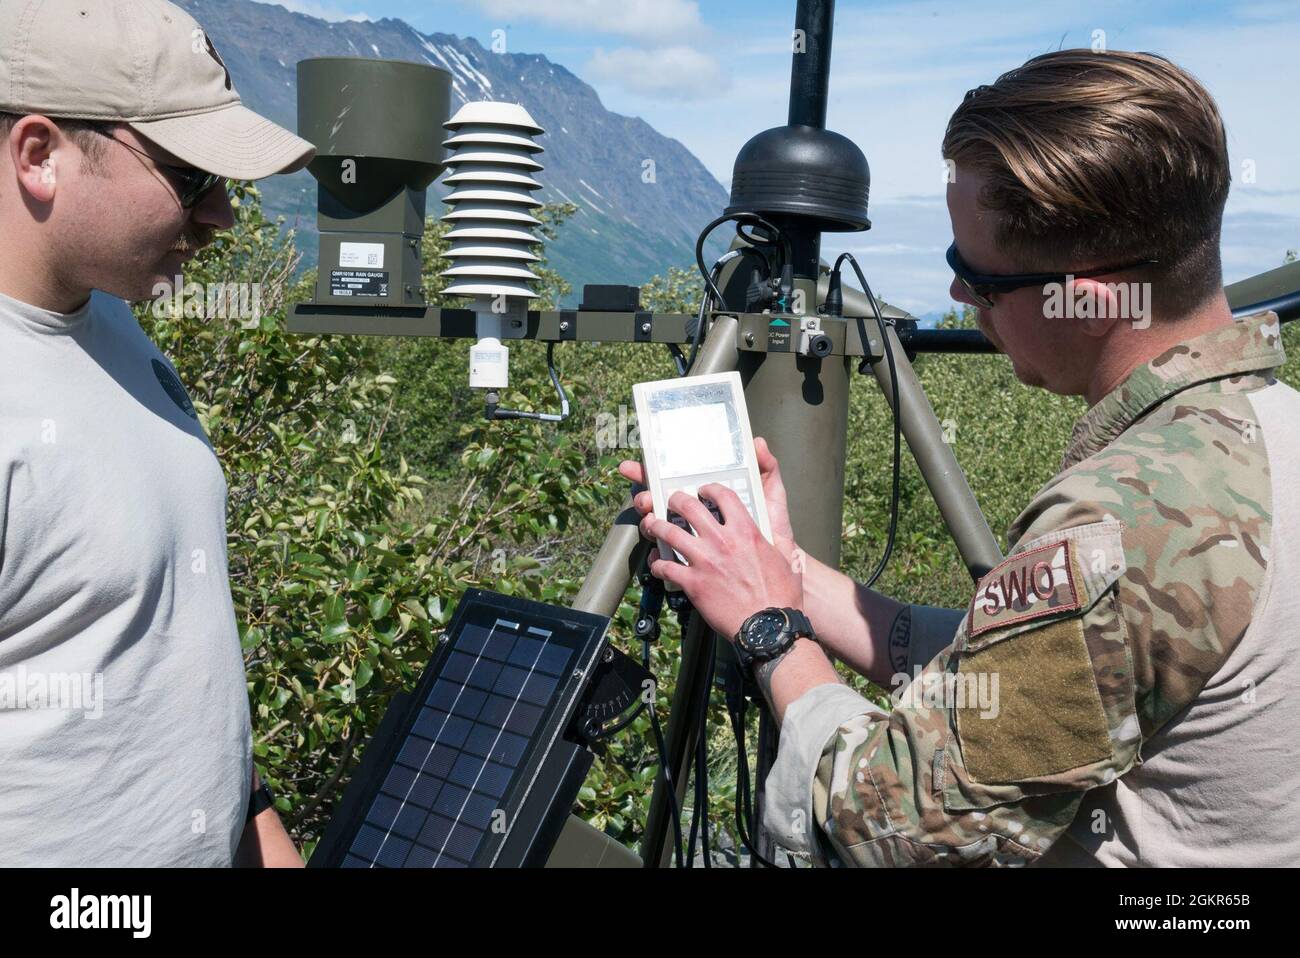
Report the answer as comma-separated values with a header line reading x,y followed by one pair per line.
x,y
943,474
619,558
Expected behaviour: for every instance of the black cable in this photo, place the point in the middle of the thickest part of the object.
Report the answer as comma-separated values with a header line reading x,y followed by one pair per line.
x,y
698,719
712,293
702,790
786,245
647,629
743,796
702,750
710,286
695,811
742,770
895,494
679,360
760,245
695,808
701,318
776,236
667,774
493,411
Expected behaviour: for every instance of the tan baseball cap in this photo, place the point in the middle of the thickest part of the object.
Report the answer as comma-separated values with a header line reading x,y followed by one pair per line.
x,y
145,63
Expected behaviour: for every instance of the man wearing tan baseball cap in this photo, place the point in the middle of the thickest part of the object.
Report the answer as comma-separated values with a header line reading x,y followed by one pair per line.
x,y
124,721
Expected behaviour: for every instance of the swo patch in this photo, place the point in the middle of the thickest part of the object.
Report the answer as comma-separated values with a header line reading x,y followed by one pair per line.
x,y
1030,585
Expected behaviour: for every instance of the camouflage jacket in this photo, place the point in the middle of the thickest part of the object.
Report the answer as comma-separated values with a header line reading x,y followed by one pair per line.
x,y
1132,577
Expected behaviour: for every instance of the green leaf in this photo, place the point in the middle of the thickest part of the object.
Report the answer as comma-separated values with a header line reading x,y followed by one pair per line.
x,y
250,639
379,606
335,607
414,607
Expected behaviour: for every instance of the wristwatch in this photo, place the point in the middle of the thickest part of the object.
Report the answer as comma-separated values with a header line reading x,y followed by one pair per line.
x,y
770,633
258,802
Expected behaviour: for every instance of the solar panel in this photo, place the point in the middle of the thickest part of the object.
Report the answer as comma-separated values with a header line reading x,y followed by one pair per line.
x,y
474,768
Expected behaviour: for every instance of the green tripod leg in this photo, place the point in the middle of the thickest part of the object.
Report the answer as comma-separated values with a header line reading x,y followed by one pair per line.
x,y
619,559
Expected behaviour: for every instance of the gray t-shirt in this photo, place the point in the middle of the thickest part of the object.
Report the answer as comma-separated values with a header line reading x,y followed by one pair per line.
x,y
124,723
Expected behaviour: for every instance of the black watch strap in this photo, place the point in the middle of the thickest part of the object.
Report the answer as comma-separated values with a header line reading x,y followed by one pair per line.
x,y
258,802
800,625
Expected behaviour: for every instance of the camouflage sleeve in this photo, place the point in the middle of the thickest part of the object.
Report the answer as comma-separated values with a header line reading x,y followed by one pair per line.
x,y
987,753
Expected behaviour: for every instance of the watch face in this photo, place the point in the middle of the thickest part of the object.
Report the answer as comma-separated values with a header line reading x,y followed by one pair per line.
x,y
763,632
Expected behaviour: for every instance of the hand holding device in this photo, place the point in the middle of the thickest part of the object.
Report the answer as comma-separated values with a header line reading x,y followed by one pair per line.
x,y
695,431
769,471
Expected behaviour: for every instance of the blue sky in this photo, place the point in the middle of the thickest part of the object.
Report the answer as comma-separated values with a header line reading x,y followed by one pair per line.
x,y
713,73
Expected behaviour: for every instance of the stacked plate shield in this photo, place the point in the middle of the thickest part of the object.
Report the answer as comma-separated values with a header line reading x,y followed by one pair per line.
x,y
492,201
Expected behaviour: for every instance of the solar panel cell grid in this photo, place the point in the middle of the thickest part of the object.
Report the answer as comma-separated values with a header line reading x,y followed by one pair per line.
x,y
422,792
462,755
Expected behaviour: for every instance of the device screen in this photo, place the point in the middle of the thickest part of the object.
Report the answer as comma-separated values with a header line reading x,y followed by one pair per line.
x,y
692,437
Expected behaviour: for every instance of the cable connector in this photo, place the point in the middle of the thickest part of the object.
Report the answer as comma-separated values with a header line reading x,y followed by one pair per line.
x,y
493,410
787,287
834,302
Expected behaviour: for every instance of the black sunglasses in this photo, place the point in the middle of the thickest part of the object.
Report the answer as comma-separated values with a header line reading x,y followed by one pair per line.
x,y
192,184
982,285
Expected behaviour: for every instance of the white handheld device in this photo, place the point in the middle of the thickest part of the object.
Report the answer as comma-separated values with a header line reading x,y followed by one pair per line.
x,y
694,431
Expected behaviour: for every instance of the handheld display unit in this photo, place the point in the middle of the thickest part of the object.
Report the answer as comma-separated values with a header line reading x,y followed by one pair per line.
x,y
695,431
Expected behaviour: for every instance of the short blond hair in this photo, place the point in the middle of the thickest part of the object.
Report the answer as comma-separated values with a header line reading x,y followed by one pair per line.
x,y
1094,159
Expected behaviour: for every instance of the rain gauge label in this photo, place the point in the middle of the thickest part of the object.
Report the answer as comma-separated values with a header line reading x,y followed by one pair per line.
x,y
358,282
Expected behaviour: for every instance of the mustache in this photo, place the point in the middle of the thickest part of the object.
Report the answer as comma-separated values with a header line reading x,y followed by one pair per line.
x,y
191,241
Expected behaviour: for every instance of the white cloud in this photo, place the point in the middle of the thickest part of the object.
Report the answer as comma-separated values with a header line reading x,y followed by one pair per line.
x,y
667,40
319,10
677,72
653,21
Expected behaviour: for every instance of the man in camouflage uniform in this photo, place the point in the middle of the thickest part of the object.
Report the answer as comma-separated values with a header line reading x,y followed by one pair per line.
x,y
1132,584
1118,690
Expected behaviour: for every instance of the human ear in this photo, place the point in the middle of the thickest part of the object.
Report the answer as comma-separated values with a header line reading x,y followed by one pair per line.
x,y
1097,305
32,149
